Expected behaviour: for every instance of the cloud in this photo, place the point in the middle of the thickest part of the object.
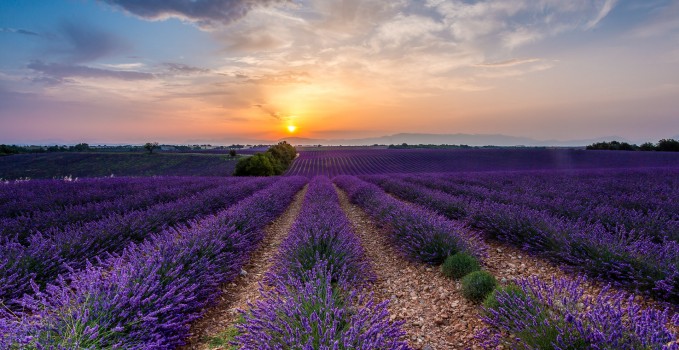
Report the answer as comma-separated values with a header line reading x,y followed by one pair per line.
x,y
666,21
183,69
18,31
605,9
206,13
86,43
267,110
54,73
508,63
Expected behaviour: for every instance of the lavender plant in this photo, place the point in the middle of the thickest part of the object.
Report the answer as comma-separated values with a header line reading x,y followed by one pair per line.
x,y
322,232
315,312
559,315
45,256
146,297
318,299
420,234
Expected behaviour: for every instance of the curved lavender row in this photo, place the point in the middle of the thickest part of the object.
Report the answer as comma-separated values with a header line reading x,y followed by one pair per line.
x,y
419,233
317,301
23,225
147,297
323,232
23,198
560,315
633,263
47,256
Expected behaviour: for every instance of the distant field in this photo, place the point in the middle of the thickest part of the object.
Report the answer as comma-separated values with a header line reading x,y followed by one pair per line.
x,y
384,161
50,165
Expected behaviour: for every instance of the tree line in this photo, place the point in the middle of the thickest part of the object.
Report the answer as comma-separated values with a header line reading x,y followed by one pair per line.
x,y
14,149
275,161
664,145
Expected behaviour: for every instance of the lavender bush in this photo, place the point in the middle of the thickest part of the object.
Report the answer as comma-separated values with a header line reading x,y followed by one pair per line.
x,y
317,312
322,232
53,253
146,298
628,259
152,192
318,299
558,315
419,233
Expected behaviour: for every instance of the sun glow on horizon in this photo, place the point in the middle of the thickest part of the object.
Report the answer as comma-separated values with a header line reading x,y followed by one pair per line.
x,y
291,128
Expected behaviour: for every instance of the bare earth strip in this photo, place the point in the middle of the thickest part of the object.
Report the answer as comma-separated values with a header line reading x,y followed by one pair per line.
x,y
245,288
436,314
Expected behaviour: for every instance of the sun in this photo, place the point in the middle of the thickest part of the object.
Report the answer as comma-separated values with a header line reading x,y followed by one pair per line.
x,y
292,128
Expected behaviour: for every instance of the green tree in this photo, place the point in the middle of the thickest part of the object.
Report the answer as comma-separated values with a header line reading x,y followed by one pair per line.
x,y
668,145
150,146
647,146
81,147
258,165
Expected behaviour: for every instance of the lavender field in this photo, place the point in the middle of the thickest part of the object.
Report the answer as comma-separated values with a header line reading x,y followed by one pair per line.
x,y
529,249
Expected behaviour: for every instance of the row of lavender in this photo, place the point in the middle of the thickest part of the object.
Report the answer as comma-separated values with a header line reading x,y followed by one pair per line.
x,y
318,299
146,297
42,257
541,315
625,258
19,198
420,234
640,201
136,198
350,161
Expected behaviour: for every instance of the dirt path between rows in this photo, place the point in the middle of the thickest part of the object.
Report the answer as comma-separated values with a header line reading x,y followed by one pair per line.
x,y
436,315
245,288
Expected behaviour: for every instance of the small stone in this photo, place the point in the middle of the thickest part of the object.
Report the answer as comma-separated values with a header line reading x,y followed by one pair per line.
x,y
503,280
499,250
427,347
243,272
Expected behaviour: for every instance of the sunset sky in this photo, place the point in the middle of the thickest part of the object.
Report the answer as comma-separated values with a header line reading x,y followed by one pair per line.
x,y
224,71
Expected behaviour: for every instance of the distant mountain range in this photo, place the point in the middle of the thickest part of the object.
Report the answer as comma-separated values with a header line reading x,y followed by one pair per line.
x,y
450,139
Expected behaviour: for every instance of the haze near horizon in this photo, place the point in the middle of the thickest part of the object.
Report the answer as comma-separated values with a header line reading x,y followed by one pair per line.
x,y
121,71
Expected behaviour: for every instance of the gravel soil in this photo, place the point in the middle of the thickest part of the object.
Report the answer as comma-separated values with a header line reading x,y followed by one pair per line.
x,y
245,288
435,313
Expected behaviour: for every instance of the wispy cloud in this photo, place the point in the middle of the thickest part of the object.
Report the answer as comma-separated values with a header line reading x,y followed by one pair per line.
x,y
184,69
206,13
56,72
605,9
18,31
508,63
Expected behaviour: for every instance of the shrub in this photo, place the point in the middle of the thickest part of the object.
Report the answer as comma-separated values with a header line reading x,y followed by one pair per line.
x,y
492,303
260,164
459,265
273,162
477,285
